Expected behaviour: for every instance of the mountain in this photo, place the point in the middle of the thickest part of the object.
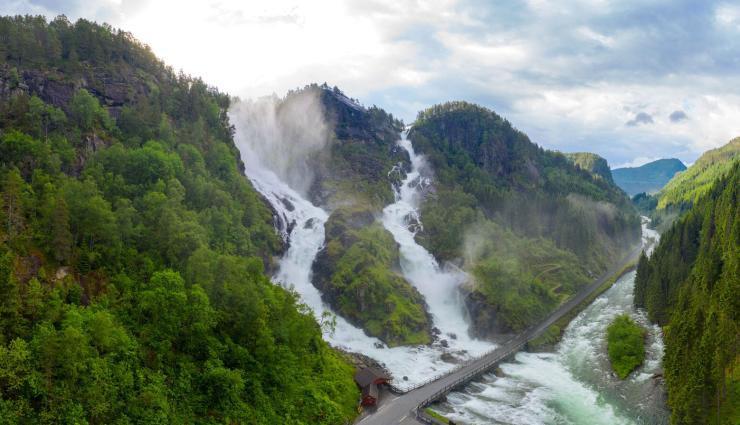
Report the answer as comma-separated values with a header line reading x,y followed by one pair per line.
x,y
648,178
133,249
690,286
592,163
530,226
685,188
358,270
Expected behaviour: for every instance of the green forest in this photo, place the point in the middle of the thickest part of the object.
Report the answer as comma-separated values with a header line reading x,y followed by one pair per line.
x,y
133,250
690,286
531,225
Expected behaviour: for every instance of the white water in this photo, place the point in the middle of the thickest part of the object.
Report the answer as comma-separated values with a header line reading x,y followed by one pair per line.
x,y
573,385
302,224
438,286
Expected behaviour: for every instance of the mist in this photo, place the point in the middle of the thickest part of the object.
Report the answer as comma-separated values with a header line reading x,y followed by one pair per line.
x,y
282,135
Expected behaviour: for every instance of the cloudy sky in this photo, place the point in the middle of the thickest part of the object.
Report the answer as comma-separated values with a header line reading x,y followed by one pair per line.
x,y
632,80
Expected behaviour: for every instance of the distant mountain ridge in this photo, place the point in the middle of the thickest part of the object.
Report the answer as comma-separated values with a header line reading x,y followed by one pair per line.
x,y
648,178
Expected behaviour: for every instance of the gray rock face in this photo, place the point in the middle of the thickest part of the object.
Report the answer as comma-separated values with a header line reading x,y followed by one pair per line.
x,y
485,323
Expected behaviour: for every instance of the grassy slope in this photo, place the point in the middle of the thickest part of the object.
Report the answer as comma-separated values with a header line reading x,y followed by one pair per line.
x,y
358,272
688,186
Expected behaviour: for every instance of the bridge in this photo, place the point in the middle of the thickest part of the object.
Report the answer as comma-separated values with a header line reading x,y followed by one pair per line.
x,y
405,407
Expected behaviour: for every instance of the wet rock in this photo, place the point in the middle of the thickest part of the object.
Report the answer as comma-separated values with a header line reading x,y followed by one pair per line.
x,y
444,343
379,345
452,335
288,205
449,358
405,378
436,331
486,323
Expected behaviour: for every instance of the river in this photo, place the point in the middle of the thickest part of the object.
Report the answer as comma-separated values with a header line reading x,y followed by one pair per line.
x,y
573,384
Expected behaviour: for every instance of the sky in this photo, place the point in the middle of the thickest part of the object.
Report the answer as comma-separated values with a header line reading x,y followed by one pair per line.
x,y
631,80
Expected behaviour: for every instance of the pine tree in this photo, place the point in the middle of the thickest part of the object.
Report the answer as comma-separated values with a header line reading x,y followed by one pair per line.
x,y
12,203
61,242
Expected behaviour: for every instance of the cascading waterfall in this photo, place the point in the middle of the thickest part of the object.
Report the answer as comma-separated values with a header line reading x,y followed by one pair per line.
x,y
438,286
302,224
574,384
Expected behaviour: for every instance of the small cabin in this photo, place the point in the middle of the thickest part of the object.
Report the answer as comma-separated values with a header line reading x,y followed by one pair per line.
x,y
370,395
368,380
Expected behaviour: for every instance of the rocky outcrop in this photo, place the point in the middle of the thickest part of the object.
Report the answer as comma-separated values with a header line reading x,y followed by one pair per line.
x,y
484,317
356,166
57,88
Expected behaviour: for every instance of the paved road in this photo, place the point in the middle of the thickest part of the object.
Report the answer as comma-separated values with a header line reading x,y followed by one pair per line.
x,y
397,409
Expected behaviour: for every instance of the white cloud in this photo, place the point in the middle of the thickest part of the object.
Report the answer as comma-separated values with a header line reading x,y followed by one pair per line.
x,y
570,73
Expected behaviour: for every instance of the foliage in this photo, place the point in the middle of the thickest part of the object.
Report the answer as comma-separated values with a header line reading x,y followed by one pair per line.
x,y
645,203
687,187
648,178
359,274
522,279
547,225
132,252
690,285
554,332
534,192
592,163
625,345
438,417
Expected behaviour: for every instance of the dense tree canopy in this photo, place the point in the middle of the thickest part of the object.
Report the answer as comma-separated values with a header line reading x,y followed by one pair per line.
x,y
540,213
690,285
133,249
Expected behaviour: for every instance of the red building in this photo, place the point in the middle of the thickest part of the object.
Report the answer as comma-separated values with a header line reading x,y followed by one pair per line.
x,y
368,380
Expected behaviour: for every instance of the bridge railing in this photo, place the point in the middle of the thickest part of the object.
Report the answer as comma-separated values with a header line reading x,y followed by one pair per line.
x,y
526,336
462,365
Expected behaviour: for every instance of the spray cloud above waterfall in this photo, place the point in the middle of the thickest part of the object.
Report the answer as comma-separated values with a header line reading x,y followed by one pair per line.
x,y
282,136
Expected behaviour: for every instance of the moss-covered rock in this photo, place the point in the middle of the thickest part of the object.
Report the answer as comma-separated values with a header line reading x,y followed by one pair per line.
x,y
359,275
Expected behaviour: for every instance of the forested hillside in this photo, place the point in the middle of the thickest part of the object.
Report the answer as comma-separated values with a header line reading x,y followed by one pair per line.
x,y
680,193
690,285
132,249
686,187
531,226
591,162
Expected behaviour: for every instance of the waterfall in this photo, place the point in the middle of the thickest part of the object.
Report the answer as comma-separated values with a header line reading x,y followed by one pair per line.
x,y
438,286
302,224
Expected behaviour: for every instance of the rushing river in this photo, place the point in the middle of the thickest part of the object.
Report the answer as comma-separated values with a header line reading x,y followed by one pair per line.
x,y
574,384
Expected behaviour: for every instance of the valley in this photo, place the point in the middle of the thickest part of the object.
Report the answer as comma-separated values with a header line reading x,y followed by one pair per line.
x,y
170,253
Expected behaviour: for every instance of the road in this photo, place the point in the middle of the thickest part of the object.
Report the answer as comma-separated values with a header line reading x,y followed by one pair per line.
x,y
398,409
